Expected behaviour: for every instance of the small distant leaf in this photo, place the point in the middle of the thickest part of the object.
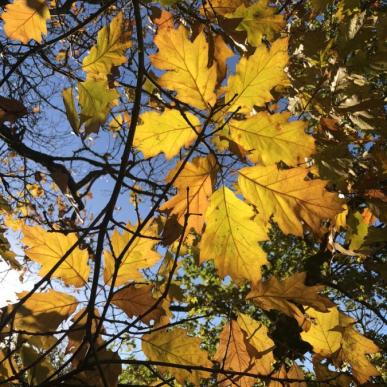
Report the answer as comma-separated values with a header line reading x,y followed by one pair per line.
x,y
47,248
231,238
290,198
270,138
165,132
195,184
186,65
256,76
25,20
112,42
96,100
140,255
176,347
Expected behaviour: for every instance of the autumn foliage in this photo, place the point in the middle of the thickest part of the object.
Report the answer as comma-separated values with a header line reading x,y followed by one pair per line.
x,y
198,191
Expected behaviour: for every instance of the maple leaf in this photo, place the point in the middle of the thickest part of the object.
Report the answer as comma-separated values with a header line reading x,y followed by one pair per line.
x,y
165,132
235,353
256,75
136,300
47,248
336,379
186,65
221,7
140,255
222,52
284,295
231,237
71,111
10,110
323,334
258,20
290,198
269,138
354,348
174,346
257,337
25,20
95,100
43,312
294,372
195,184
112,42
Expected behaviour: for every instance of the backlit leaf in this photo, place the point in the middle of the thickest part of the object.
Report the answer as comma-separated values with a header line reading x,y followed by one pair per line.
x,y
112,42
194,184
96,100
233,354
269,138
165,132
258,20
139,255
231,238
290,198
44,312
323,334
256,76
25,20
186,65
257,337
47,248
136,300
176,347
285,295
71,111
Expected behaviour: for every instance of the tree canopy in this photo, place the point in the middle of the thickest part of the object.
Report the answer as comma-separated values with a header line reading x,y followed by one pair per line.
x,y
195,192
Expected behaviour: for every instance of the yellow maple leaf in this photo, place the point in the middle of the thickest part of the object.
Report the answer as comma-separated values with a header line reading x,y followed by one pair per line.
x,y
258,20
176,347
290,198
220,7
198,177
256,76
257,336
222,52
269,138
47,248
231,237
285,295
25,20
95,100
323,334
165,132
43,312
140,255
354,348
112,42
185,63
71,111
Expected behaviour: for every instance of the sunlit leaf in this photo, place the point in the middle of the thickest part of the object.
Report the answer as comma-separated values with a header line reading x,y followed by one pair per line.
x,y
25,20
186,65
289,197
165,132
231,237
175,346
47,248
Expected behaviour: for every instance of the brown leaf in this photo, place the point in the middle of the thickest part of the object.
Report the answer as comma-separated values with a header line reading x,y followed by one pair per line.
x,y
136,300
